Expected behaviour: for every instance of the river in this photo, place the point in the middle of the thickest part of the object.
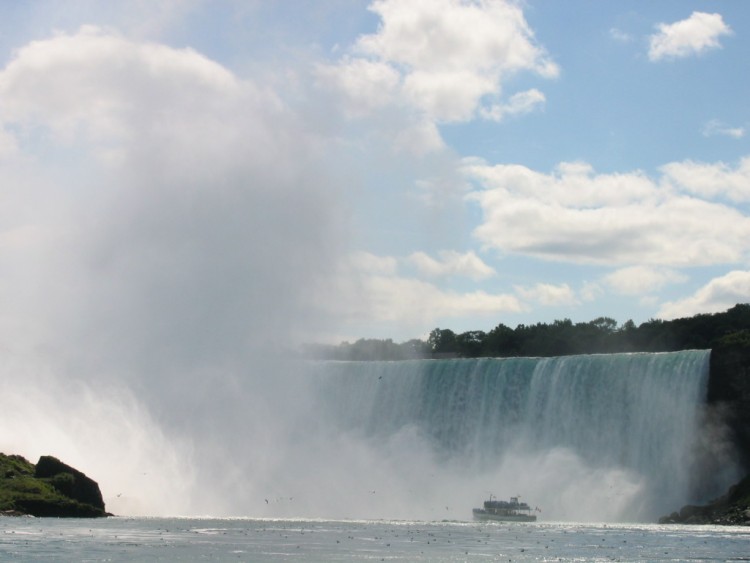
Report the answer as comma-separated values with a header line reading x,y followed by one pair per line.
x,y
205,539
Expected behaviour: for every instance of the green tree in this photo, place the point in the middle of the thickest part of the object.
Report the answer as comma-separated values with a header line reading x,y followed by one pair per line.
x,y
470,344
442,341
501,341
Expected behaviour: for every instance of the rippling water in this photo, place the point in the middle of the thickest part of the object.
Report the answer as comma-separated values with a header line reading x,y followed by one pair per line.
x,y
195,539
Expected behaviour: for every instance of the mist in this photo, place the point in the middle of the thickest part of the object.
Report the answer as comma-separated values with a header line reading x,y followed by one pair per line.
x,y
171,233
168,230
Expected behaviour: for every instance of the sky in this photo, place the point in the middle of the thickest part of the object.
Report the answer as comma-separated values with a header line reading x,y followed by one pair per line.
x,y
180,179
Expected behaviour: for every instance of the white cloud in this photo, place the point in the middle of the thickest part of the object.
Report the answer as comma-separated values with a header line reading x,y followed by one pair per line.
x,y
368,289
520,103
368,263
100,90
398,299
366,85
450,55
711,180
419,138
696,34
716,296
452,263
575,215
548,294
448,95
454,35
716,127
639,280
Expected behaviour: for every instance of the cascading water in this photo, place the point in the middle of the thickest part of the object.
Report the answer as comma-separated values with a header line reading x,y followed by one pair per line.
x,y
600,436
586,438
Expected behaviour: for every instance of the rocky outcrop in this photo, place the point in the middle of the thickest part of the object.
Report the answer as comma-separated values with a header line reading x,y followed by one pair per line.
x,y
51,488
79,488
732,509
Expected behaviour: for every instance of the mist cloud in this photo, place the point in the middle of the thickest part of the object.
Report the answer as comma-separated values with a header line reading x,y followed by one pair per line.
x,y
166,228
191,213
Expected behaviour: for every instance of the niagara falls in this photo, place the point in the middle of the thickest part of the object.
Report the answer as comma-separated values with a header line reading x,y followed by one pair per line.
x,y
415,280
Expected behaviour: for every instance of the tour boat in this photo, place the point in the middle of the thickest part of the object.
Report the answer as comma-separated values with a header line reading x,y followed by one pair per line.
x,y
505,511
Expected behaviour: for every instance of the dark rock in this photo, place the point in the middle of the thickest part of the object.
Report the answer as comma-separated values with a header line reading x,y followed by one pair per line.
x,y
58,509
80,487
732,509
690,511
52,488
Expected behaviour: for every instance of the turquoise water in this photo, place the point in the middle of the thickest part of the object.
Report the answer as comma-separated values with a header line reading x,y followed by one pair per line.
x,y
196,539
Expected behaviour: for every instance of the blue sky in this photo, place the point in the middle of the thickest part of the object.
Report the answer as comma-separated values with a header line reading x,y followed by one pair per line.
x,y
195,174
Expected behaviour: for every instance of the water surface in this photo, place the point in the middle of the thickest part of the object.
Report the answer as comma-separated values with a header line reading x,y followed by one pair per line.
x,y
198,539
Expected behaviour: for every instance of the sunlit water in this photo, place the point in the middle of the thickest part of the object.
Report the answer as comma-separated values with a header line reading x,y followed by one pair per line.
x,y
189,539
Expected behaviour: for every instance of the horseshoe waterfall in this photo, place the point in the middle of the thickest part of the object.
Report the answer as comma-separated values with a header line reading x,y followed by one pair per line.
x,y
599,437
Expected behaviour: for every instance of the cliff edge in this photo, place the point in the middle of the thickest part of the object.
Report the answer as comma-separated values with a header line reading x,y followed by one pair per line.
x,y
732,509
729,392
49,488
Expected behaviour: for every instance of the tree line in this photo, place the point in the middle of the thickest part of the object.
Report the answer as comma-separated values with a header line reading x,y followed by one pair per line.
x,y
559,338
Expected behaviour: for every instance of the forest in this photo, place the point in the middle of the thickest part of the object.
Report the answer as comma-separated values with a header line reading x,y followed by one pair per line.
x,y
560,338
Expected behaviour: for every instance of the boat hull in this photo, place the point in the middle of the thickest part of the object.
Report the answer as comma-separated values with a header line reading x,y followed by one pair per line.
x,y
480,514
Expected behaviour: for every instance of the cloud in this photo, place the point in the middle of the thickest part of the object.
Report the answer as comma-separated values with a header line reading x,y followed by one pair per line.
x,y
419,138
405,300
716,127
443,58
717,295
368,263
697,34
639,280
575,215
452,263
100,85
368,287
365,85
520,103
706,180
548,294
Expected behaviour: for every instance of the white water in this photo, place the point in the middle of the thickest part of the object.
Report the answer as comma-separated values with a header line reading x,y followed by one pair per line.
x,y
609,437
588,438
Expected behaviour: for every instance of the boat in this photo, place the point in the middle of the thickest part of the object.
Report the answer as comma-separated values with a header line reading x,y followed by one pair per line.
x,y
505,511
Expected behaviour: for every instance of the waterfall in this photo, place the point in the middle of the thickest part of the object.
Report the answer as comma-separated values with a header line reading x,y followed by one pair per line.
x,y
615,435
622,437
